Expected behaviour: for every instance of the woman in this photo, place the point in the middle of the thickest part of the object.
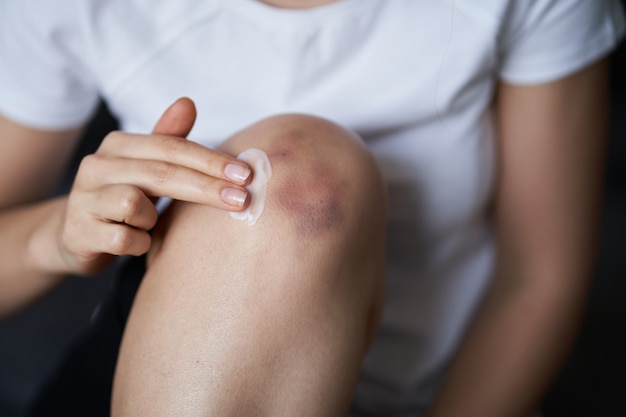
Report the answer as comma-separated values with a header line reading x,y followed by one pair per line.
x,y
486,124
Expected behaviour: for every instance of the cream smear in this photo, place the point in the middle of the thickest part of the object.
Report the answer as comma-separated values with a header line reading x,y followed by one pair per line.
x,y
260,164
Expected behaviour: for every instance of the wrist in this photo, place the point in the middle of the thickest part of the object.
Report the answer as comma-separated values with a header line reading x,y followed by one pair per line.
x,y
44,249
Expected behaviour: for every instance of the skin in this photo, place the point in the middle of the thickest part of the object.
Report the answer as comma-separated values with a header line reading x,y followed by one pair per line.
x,y
32,161
136,170
299,4
109,209
551,153
270,319
551,146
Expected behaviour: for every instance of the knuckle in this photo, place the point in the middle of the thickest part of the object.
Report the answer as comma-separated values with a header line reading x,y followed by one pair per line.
x,y
209,186
131,203
89,161
89,167
173,146
121,240
111,141
162,172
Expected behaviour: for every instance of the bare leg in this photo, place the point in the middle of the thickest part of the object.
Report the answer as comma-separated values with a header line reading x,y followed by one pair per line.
x,y
271,319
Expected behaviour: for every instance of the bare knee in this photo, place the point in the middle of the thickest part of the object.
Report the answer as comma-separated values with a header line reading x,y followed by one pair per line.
x,y
326,210
292,298
325,180
326,196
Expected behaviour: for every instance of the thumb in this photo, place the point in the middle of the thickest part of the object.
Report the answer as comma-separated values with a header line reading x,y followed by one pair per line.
x,y
178,119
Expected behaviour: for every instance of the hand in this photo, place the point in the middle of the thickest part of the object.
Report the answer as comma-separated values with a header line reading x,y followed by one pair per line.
x,y
110,207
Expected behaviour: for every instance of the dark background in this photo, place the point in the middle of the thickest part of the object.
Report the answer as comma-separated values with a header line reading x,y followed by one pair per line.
x,y
592,383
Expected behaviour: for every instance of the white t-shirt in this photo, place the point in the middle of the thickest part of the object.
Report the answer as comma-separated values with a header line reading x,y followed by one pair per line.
x,y
413,77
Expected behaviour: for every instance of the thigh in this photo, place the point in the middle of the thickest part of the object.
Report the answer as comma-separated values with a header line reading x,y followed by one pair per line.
x,y
226,307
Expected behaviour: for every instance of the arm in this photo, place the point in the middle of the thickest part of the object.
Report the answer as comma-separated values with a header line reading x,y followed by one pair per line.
x,y
551,149
108,211
32,162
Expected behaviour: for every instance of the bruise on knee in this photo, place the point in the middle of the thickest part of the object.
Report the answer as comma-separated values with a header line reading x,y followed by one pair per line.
x,y
311,193
316,168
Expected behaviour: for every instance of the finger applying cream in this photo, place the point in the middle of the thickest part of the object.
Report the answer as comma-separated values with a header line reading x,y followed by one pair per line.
x,y
257,188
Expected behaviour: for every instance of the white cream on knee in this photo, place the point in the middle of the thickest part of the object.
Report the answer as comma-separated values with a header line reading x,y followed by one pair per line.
x,y
260,164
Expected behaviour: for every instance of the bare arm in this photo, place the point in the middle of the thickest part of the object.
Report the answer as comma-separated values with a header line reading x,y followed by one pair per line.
x,y
32,162
108,212
551,149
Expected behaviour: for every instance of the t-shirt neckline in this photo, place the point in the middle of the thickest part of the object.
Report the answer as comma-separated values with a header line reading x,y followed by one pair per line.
x,y
263,12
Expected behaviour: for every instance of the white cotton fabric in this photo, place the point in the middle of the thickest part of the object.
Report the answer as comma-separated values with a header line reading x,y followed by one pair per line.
x,y
413,77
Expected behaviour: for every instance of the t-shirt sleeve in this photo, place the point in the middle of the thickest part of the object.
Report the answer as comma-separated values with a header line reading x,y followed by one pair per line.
x,y
43,81
544,40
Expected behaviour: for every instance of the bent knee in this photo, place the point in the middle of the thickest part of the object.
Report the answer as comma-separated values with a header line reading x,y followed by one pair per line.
x,y
325,200
324,177
321,236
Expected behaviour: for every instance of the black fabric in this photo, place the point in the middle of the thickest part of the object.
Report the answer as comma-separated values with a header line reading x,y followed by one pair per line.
x,y
82,384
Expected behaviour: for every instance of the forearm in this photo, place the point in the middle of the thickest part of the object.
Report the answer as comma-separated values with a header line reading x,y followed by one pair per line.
x,y
30,264
551,144
513,348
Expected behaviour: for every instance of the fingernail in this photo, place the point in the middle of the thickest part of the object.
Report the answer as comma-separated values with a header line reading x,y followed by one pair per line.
x,y
233,196
237,173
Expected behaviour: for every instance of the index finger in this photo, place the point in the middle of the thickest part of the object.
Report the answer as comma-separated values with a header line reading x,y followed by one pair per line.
x,y
177,151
